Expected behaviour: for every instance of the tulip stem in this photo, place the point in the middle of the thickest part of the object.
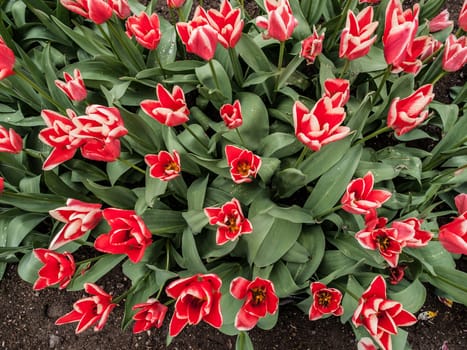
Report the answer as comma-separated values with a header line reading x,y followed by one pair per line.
x,y
241,138
167,262
39,90
90,260
346,67
301,156
343,15
214,75
374,134
131,165
236,66
158,59
187,128
382,83
279,67
89,244
440,75
132,288
138,65
181,17
345,290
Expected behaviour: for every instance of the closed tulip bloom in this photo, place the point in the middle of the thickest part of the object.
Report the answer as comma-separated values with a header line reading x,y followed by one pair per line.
x,y
360,197
175,4
461,202
320,125
170,109
412,62
145,29
89,311
73,86
462,21
431,46
280,22
399,31
418,237
380,316
163,166
231,114
259,299
325,301
10,141
440,21
228,23
128,234
197,298
2,184
121,8
338,90
312,46
455,53
366,343
7,60
150,314
98,11
453,235
396,274
356,38
407,113
58,268
244,164
198,36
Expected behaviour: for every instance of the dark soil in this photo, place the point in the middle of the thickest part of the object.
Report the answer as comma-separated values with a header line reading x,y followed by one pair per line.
x,y
28,316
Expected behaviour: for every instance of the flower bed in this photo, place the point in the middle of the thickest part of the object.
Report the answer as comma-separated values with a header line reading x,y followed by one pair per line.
x,y
226,162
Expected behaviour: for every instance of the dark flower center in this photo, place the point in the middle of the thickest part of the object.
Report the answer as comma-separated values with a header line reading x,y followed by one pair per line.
x,y
324,298
243,168
172,166
383,242
259,294
231,222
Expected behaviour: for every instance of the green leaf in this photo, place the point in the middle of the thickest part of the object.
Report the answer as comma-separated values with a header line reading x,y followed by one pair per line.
x,y
153,189
432,255
21,226
161,221
196,220
333,183
268,168
243,342
115,196
452,282
220,81
190,253
32,202
254,57
412,297
349,303
28,267
279,145
196,193
256,78
297,254
288,181
56,185
283,281
335,265
372,62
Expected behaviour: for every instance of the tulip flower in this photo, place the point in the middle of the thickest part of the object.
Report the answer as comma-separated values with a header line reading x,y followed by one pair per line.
x,y
399,31
7,60
440,21
280,22
163,166
198,36
407,113
396,274
90,310
121,8
321,125
231,114
462,20
10,141
356,37
338,90
418,237
58,268
312,46
73,86
228,23
175,4
455,53
197,298
366,343
369,1
98,11
2,184
361,198
171,109
380,316
244,164
325,301
150,314
230,221
412,62
128,234
79,217
431,46
453,235
260,299
145,29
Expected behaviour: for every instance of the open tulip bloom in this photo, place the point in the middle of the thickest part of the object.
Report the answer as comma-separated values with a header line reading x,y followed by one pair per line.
x,y
224,161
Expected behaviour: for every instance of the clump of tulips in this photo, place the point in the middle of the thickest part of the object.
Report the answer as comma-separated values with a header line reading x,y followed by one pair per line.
x,y
227,162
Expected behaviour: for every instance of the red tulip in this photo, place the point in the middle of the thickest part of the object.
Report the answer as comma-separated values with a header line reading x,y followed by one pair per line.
x,y
381,316
128,234
197,298
230,221
455,53
260,299
73,86
321,125
325,301
399,31
163,166
231,114
407,113
121,8
361,198
10,141
396,274
97,11
90,310
453,235
312,46
280,23
58,135
58,268
175,4
412,62
431,46
462,21
151,314
171,109
198,36
145,29
369,1
356,37
244,164
7,60
338,90
440,21
79,217
418,237
2,185
228,23
366,343
461,202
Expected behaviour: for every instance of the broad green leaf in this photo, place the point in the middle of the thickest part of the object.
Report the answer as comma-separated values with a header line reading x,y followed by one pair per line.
x,y
279,145
257,78
220,81
115,196
283,281
56,185
243,342
190,253
196,193
21,226
412,297
372,62
293,214
153,189
28,267
33,202
288,181
451,281
196,219
432,255
250,52
349,303
335,265
163,222
167,48
302,30
268,168
297,254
